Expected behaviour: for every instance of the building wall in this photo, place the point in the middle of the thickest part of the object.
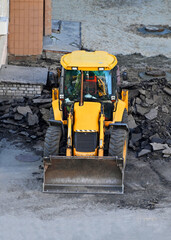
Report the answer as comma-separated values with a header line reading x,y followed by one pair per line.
x,y
48,18
25,27
4,15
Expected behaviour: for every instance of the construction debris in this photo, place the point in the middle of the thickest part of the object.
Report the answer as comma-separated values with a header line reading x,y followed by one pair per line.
x,y
25,116
149,116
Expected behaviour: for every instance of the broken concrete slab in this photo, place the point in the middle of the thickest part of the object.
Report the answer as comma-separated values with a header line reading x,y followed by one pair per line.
x,y
46,100
32,119
143,152
158,146
138,100
5,116
33,137
25,75
144,104
157,140
24,110
131,122
133,93
65,37
18,116
141,110
3,101
168,141
156,135
12,122
142,91
152,114
131,145
167,151
167,90
144,144
23,133
149,101
142,97
4,108
45,114
47,105
165,109
136,137
157,99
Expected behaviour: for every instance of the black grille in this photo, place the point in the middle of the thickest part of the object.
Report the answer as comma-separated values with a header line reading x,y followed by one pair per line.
x,y
85,141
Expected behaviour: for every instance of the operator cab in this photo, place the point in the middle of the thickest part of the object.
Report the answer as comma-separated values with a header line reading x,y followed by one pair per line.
x,y
99,83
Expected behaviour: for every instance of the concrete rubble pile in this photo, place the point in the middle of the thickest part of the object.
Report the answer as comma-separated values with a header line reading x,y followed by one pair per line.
x,y
25,116
150,117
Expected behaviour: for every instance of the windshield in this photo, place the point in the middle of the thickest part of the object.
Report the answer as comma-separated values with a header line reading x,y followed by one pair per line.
x,y
96,85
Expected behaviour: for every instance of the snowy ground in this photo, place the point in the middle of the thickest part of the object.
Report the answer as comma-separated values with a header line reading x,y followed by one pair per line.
x,y
106,24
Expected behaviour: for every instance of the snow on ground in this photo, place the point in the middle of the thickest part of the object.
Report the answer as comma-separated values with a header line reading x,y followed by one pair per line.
x,y
106,24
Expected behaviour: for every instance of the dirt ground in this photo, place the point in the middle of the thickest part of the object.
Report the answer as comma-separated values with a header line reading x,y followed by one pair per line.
x,y
142,212
109,24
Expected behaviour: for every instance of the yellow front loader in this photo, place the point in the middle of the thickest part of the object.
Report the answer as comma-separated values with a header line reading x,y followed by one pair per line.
x,y
86,143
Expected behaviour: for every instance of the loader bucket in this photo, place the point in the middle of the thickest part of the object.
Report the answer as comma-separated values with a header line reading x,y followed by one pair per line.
x,y
93,175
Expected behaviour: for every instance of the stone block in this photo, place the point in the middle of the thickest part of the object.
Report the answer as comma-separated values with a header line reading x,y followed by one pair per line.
x,y
21,88
13,88
18,92
30,89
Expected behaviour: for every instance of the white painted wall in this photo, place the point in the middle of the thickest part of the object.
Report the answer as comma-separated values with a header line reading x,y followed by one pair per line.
x,y
4,18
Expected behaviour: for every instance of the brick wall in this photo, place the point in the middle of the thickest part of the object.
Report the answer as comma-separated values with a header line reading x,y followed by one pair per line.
x,y
25,27
48,18
19,90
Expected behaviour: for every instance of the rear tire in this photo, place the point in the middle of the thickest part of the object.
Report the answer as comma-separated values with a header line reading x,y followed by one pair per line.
x,y
52,141
117,139
118,143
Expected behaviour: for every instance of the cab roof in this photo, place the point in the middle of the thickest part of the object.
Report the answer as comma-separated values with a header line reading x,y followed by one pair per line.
x,y
88,61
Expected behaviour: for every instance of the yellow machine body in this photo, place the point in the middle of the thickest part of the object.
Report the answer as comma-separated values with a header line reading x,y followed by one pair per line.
x,y
89,61
86,118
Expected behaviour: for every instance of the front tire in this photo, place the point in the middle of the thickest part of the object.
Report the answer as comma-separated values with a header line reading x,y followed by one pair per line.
x,y
118,143
52,141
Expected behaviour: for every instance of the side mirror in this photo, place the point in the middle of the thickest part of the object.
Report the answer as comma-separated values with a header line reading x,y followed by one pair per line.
x,y
52,80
